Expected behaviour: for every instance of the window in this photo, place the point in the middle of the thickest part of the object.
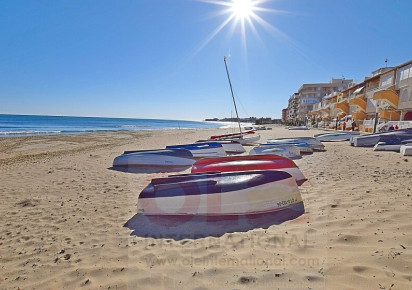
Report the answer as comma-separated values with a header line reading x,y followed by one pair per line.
x,y
405,73
386,81
404,97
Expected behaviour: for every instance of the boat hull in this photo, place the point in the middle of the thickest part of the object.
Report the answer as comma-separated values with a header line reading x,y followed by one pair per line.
x,y
370,140
230,147
202,150
340,136
220,194
303,147
244,140
313,142
406,150
161,157
288,151
249,162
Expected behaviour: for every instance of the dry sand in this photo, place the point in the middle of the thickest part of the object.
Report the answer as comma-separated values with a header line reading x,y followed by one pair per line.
x,y
63,212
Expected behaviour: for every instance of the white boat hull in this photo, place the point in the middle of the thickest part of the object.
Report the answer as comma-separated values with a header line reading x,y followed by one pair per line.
x,y
289,151
231,147
245,140
341,136
259,199
202,150
137,159
313,142
406,150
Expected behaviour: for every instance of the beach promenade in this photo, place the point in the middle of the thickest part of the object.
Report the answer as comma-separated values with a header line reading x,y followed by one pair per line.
x,y
63,212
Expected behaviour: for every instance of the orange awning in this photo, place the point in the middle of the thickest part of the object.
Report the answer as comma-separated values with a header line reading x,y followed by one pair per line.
x,y
388,96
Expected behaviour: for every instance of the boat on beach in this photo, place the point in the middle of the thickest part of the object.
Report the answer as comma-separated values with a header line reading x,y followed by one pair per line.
x,y
392,142
222,194
288,151
242,139
370,140
230,146
337,136
313,142
201,150
249,162
406,150
303,146
159,157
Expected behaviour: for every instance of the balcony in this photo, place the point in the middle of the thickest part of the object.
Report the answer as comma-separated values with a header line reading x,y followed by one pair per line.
x,y
389,115
342,106
360,115
359,102
388,96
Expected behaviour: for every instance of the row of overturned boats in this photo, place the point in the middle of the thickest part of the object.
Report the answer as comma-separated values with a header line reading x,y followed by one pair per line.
x,y
396,140
223,182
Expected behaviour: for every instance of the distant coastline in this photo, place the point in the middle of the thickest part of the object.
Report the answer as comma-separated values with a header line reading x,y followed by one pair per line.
x,y
252,120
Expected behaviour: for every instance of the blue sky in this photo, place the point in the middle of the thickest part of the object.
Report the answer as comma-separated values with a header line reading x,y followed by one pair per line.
x,y
161,59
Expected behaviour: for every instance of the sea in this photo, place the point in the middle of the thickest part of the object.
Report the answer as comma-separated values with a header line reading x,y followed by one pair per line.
x,y
30,125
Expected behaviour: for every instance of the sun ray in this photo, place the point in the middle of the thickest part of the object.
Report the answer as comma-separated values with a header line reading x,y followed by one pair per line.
x,y
244,17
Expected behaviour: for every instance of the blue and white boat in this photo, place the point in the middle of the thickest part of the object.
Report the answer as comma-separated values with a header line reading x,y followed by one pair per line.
x,y
337,136
313,142
392,142
155,158
288,151
370,140
221,194
201,150
230,146
303,146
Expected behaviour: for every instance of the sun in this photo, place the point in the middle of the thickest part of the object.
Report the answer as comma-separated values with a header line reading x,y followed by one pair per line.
x,y
241,17
242,9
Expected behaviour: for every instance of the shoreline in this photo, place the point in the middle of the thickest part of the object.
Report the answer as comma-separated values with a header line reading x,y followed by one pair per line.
x,y
64,212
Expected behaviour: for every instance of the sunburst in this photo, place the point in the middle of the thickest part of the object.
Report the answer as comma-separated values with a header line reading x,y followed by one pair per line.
x,y
243,15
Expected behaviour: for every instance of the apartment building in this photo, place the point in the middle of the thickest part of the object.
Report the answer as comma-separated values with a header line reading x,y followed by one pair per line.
x,y
386,94
302,102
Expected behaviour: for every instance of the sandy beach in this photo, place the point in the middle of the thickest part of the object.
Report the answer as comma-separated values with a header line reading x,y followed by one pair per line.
x,y
63,211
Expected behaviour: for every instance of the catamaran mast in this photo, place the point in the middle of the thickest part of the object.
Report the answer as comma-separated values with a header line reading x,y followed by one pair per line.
x,y
233,97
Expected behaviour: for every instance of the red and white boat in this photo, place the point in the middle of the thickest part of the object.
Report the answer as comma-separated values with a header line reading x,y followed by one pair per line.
x,y
249,162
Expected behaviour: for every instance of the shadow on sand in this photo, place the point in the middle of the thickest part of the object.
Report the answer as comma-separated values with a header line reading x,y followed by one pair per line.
x,y
195,227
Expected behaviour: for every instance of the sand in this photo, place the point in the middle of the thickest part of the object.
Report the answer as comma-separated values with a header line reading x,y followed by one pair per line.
x,y
63,212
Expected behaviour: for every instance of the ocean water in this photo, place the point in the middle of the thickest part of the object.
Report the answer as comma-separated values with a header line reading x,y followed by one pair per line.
x,y
29,125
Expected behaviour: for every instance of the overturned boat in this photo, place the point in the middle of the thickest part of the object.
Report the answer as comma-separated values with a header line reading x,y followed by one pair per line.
x,y
159,157
337,136
249,162
406,150
313,142
244,139
370,140
221,194
230,146
201,150
288,151
392,142
303,146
